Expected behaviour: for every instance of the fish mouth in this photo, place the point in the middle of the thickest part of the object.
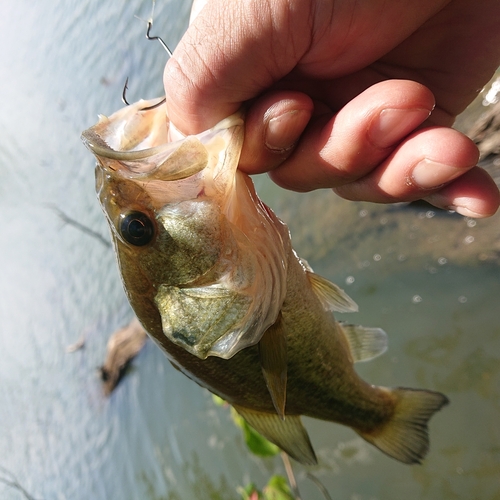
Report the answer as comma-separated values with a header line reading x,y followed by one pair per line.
x,y
140,141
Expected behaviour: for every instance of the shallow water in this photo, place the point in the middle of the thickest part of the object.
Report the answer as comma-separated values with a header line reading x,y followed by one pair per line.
x,y
431,280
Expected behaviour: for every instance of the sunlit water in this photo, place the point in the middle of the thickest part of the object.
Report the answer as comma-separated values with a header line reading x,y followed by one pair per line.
x,y
430,280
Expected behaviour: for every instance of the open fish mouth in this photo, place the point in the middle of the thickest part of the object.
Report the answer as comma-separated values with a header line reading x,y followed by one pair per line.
x,y
141,141
219,277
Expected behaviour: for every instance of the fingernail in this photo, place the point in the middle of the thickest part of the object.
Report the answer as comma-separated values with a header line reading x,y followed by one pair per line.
x,y
429,174
441,202
462,206
281,132
392,125
467,212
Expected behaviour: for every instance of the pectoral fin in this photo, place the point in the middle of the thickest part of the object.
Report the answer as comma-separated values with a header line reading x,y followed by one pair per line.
x,y
331,296
365,343
289,434
273,359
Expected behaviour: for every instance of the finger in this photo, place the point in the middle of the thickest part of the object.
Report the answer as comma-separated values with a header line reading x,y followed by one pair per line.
x,y
474,194
196,8
436,164
423,163
234,50
229,54
339,150
273,126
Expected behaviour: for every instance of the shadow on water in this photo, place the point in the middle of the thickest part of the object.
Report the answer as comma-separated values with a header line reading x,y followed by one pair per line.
x,y
429,278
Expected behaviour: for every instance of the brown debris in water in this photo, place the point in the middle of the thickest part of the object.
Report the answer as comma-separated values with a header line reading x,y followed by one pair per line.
x,y
123,346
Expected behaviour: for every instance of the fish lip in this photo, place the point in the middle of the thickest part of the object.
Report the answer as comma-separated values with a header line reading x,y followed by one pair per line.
x,y
142,162
101,149
96,138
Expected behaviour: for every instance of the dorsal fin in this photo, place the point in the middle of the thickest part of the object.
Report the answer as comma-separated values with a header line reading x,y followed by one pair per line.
x,y
365,343
273,359
289,434
331,296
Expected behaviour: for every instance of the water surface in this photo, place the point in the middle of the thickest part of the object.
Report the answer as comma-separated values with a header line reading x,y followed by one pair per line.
x,y
429,279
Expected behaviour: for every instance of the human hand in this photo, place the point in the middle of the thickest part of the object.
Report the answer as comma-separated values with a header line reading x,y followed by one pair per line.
x,y
335,93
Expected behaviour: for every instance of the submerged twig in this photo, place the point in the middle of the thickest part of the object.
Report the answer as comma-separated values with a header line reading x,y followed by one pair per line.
x,y
72,222
293,482
290,475
320,485
14,483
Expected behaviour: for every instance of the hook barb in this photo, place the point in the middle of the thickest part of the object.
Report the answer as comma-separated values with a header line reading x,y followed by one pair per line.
x,y
124,93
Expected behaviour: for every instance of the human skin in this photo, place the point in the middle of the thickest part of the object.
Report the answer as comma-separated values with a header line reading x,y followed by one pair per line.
x,y
355,96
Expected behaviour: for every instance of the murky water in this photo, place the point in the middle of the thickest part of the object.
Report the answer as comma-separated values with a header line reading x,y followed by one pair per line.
x,y
430,280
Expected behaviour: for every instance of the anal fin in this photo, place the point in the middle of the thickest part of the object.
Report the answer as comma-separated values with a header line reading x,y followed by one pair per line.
x,y
364,343
273,359
289,434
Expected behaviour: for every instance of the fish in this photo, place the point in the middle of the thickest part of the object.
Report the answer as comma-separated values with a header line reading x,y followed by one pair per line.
x,y
212,276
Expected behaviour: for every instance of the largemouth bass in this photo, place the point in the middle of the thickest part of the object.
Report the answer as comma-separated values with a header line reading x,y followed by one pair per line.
x,y
211,274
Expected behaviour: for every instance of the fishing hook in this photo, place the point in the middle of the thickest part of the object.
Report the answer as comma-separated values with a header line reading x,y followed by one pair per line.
x,y
149,37
169,52
124,92
150,25
124,99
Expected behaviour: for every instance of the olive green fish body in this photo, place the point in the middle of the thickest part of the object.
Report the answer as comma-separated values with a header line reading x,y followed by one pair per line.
x,y
321,377
210,272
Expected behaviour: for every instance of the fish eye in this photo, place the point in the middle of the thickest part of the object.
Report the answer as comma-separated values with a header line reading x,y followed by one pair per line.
x,y
136,228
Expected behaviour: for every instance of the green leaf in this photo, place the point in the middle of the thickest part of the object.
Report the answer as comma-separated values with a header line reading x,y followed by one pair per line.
x,y
255,442
277,489
218,401
250,492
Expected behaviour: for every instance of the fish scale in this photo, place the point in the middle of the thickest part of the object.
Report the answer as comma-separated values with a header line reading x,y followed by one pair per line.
x,y
215,282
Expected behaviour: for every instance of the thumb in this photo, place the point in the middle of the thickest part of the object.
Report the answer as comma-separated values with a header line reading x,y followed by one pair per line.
x,y
230,53
196,8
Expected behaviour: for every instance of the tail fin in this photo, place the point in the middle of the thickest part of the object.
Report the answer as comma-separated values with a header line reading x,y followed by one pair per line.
x,y
405,437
